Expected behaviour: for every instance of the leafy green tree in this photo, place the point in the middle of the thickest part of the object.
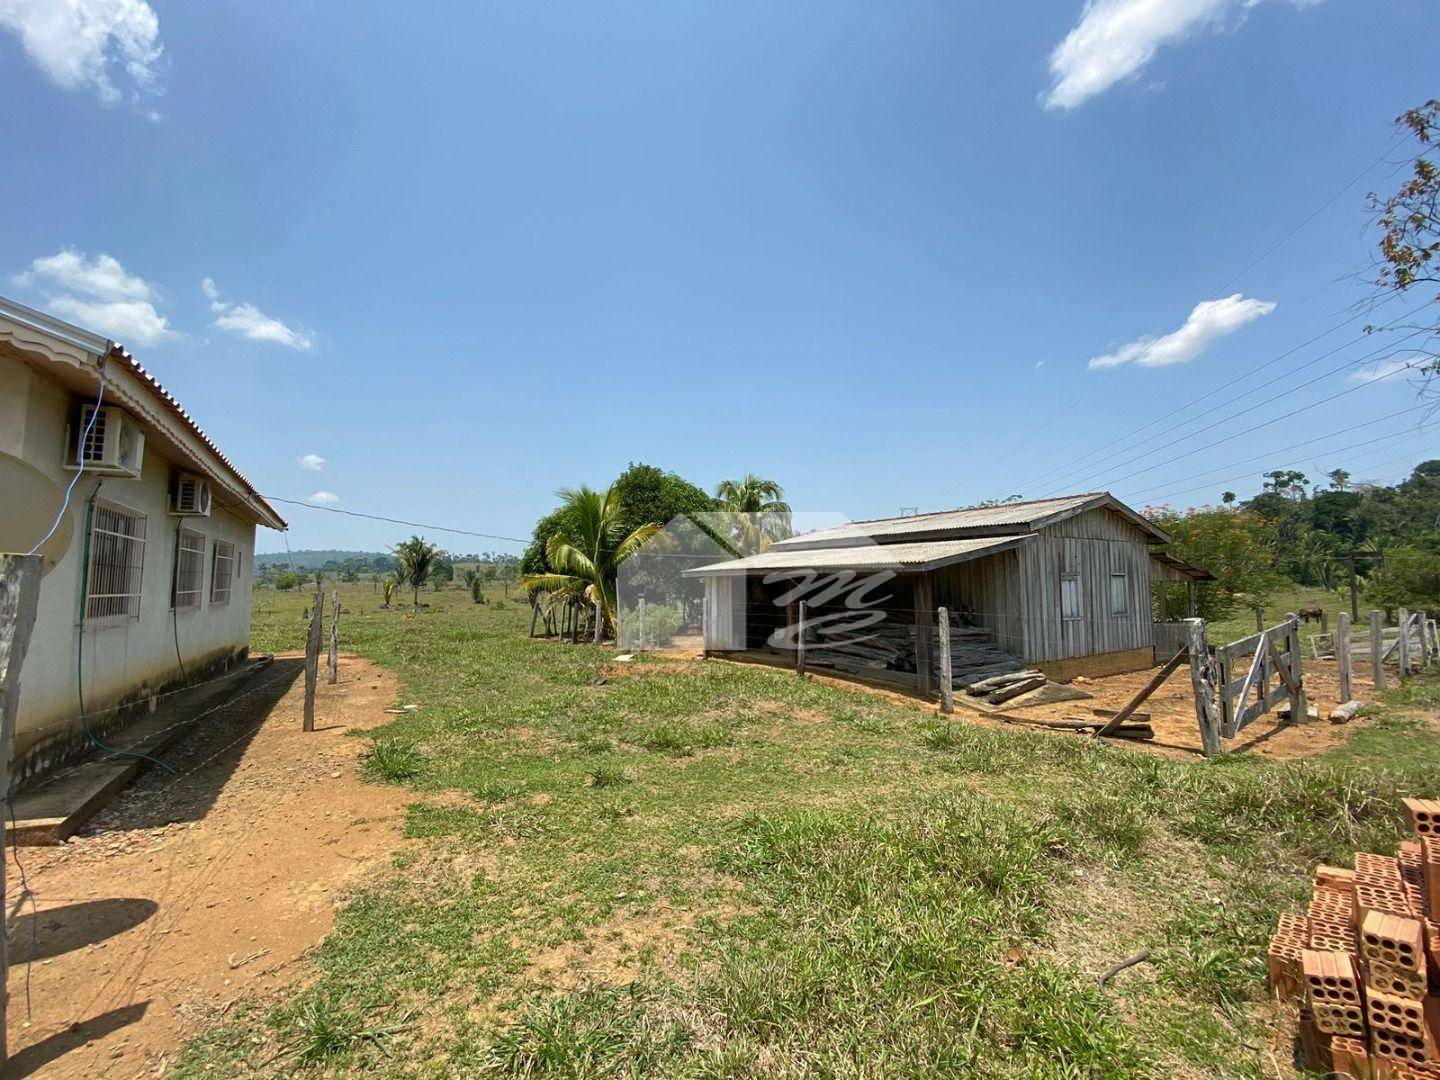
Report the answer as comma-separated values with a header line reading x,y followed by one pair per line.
x,y
285,580
1237,546
586,551
414,559
647,494
1409,223
1407,578
762,515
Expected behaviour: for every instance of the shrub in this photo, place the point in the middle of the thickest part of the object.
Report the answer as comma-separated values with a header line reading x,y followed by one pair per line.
x,y
662,623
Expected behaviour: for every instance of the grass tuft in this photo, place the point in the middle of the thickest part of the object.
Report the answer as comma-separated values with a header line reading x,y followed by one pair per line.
x,y
393,760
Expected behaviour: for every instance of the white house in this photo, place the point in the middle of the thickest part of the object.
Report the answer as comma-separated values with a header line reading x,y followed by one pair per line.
x,y
148,572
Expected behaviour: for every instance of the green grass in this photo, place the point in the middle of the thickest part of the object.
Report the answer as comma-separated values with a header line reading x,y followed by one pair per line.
x,y
705,869
1241,623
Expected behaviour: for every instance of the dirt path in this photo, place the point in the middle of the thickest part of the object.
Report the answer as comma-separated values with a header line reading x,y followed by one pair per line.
x,y
195,889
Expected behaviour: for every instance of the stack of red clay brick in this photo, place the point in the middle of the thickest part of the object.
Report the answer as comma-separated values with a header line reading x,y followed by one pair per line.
x,y
1365,961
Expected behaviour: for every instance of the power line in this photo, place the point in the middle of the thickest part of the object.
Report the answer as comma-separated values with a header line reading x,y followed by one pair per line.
x,y
1388,437
1129,451
1234,416
1048,473
394,521
1249,266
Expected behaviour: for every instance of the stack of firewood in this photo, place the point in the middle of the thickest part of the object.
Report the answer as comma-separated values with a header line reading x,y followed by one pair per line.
x,y
1365,961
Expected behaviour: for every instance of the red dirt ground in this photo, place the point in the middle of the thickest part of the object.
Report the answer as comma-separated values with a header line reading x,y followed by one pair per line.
x,y
193,890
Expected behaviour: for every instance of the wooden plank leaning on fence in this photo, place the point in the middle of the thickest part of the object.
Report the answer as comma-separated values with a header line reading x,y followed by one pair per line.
x,y
1202,683
1113,724
333,657
19,590
312,658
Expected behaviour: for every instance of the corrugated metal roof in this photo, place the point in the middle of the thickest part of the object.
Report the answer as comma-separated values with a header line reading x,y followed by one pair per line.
x,y
1002,519
921,555
112,350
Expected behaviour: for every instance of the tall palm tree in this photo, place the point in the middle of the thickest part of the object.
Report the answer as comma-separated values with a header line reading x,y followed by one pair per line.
x,y
585,555
762,515
415,558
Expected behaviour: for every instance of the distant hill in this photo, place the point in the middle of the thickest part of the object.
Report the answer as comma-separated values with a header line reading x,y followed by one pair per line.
x,y
317,560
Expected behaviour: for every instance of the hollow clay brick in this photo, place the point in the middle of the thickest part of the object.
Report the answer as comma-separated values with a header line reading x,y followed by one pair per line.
x,y
1422,815
1393,940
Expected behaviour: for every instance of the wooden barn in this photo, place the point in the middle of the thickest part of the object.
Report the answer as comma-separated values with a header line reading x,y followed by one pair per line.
x,y
1067,585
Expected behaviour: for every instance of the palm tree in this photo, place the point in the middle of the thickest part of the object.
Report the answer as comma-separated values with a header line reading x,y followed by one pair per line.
x,y
585,555
762,515
415,558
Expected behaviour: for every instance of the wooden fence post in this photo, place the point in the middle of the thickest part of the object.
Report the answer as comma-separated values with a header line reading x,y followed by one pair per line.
x,y
1377,652
599,622
1202,684
642,624
1404,642
705,620
19,590
947,680
333,656
800,639
312,659
1299,708
1422,631
1342,655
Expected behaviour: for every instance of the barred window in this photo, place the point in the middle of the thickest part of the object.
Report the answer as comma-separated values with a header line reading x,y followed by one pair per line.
x,y
222,572
189,571
117,562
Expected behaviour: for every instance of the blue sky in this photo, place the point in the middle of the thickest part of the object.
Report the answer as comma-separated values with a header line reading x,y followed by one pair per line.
x,y
892,255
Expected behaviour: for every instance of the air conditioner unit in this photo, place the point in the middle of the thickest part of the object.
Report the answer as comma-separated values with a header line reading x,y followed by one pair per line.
x,y
189,496
111,445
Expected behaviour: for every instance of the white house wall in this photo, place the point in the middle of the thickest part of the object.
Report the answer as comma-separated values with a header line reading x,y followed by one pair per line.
x,y
124,659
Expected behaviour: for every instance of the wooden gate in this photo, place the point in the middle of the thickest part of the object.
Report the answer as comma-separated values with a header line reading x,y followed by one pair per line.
x,y
1257,673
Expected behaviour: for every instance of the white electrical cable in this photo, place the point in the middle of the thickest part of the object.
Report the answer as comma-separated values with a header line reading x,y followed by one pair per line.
x,y
84,438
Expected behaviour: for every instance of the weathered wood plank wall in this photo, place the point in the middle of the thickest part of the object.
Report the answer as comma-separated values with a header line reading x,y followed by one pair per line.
x,y
990,589
1093,546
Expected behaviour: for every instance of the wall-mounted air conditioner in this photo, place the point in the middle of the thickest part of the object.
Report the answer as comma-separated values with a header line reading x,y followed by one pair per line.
x,y
113,445
189,496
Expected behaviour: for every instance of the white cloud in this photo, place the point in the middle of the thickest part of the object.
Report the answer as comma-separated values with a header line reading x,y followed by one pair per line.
x,y
1115,39
101,277
1382,369
132,322
99,294
253,324
1209,321
90,44
311,462
324,497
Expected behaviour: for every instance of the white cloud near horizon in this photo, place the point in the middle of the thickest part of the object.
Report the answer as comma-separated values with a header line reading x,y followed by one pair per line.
x,y
251,323
1208,321
98,294
90,44
311,462
1382,369
324,498
1116,39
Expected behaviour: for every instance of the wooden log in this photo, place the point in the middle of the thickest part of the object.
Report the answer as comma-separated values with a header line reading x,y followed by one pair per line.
x,y
19,593
947,677
1202,686
1343,714
1129,731
1377,653
1342,653
1014,690
984,686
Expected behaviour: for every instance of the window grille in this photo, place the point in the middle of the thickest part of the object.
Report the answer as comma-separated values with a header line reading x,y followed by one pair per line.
x,y
222,572
189,571
117,562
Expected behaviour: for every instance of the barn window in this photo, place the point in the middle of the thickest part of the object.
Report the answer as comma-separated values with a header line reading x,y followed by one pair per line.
x,y
1119,594
222,572
1070,596
117,562
189,571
